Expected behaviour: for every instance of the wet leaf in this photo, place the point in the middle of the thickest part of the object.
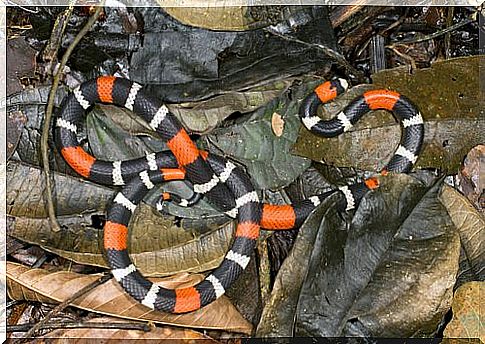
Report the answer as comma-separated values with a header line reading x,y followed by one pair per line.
x,y
266,156
164,333
390,274
454,120
181,63
468,311
471,227
110,299
365,278
279,312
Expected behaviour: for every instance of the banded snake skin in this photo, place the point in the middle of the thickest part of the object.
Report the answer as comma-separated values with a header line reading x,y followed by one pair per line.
x,y
226,186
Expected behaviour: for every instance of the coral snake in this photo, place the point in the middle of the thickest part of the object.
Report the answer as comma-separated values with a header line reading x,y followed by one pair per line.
x,y
225,185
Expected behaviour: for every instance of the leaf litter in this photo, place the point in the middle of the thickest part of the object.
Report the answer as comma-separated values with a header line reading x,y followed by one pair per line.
x,y
389,270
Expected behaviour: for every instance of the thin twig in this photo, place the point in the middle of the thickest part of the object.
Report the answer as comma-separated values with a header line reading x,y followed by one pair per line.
x,y
339,58
63,325
60,307
435,34
449,20
404,56
48,115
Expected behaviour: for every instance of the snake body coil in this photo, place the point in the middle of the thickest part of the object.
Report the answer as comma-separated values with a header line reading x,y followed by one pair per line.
x,y
225,185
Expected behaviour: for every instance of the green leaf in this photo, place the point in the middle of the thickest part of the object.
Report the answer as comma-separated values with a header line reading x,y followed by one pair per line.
x,y
266,156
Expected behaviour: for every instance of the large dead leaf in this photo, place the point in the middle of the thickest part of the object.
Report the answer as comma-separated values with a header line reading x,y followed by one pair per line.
x,y
110,299
471,227
78,336
201,117
156,245
25,193
387,272
390,274
227,18
454,120
468,312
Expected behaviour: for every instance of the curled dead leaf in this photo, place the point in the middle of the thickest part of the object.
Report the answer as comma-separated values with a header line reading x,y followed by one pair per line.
x,y
110,299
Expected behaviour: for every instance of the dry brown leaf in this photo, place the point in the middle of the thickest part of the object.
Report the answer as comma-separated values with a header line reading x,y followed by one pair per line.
x,y
470,225
468,312
226,18
172,334
470,178
109,298
277,124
